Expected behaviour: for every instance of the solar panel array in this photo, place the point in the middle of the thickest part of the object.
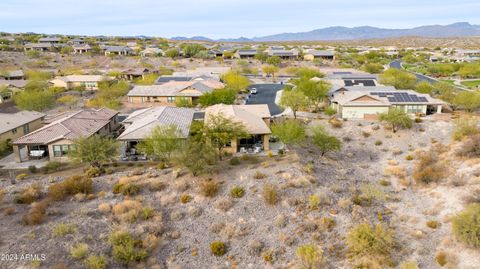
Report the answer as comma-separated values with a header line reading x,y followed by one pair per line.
x,y
401,97
364,82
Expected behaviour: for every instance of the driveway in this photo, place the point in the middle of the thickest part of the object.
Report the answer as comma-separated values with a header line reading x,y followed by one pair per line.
x,y
266,94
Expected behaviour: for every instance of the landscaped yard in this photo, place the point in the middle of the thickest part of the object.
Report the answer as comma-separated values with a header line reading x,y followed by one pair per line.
x,y
471,83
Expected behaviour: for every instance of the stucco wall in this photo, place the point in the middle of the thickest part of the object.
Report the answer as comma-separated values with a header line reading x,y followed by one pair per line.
x,y
32,126
359,112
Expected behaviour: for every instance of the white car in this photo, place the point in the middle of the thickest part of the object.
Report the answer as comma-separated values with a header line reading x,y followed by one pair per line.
x,y
253,91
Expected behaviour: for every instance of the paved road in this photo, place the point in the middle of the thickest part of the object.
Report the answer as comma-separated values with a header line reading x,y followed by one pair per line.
x,y
397,64
266,95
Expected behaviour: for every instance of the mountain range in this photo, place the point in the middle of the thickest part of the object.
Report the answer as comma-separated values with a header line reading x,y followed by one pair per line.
x,y
459,29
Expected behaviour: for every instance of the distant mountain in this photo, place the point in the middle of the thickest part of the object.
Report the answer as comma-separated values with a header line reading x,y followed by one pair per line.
x,y
460,29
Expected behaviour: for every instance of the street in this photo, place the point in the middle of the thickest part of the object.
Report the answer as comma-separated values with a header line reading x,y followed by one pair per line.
x,y
266,95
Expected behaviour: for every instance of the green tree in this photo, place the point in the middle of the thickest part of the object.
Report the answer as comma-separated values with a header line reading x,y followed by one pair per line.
x,y
220,96
195,155
424,87
172,53
397,117
467,100
261,56
162,142
291,132
94,150
190,50
293,99
398,78
372,68
444,91
235,81
38,100
274,60
220,131
324,141
66,50
270,70
316,92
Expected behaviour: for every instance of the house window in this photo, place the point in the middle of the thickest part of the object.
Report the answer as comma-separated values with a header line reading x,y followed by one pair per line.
x,y
412,109
171,99
14,131
26,129
62,150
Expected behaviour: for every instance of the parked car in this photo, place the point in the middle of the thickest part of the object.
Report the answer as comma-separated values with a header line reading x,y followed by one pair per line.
x,y
253,91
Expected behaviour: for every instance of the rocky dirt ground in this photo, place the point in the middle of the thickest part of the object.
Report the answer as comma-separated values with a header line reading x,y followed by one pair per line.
x,y
259,235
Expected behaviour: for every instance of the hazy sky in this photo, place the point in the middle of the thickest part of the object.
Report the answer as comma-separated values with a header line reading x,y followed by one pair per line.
x,y
224,18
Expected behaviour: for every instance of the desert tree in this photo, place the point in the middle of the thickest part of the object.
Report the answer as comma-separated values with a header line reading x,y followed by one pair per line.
x,y
220,130
289,131
270,70
293,99
397,118
162,142
323,141
94,150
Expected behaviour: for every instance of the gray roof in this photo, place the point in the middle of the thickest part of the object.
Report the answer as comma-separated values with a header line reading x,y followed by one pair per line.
x,y
38,45
9,121
320,53
247,52
118,48
165,79
142,122
49,39
12,74
17,83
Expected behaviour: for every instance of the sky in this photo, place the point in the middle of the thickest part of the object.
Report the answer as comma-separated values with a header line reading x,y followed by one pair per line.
x,y
224,18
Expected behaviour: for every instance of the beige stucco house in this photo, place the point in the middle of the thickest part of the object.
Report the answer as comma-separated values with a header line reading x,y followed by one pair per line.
x,y
255,118
15,125
90,82
55,140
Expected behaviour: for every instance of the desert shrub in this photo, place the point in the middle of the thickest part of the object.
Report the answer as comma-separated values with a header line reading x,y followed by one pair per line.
x,y
314,202
409,157
32,169
310,256
70,186
409,265
147,213
268,256
465,126
36,214
433,224
96,262
374,242
223,204
471,147
466,225
218,248
335,123
21,176
441,258
384,182
51,167
378,142
79,251
366,134
259,175
370,193
209,188
309,168
418,120
2,194
428,168
330,111
234,161
126,248
270,194
93,172
63,229
185,198
237,192
245,157
157,185
127,210
29,194
127,189
394,170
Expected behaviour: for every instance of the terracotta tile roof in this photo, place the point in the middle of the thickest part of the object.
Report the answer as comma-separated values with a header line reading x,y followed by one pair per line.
x,y
251,116
175,88
82,123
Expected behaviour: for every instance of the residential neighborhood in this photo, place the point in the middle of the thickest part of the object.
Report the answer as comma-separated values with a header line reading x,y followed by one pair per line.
x,y
204,135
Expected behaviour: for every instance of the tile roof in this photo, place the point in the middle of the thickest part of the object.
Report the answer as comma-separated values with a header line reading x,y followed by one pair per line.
x,y
142,122
18,83
118,48
9,121
175,88
82,123
82,78
250,115
385,98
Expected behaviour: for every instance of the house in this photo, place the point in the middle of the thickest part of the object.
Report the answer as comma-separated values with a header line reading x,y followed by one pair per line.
x,y
365,104
12,75
15,125
347,79
140,124
90,82
152,52
55,139
245,54
118,50
164,79
312,54
50,40
283,54
38,46
255,118
81,48
10,88
171,92
77,41
136,73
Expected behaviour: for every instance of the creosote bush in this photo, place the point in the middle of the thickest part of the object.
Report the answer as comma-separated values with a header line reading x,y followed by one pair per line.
x,y
270,194
126,248
70,186
310,256
234,161
373,242
185,198
128,189
36,214
237,192
63,229
466,226
428,168
259,175
79,251
218,248
96,262
29,194
471,147
209,188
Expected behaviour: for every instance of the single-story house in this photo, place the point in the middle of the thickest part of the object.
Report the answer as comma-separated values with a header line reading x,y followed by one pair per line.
x,y
312,54
140,124
255,118
90,82
118,50
10,88
12,75
169,93
51,40
360,104
15,125
38,46
283,54
152,52
81,48
134,73
55,139
164,79
245,54
77,41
